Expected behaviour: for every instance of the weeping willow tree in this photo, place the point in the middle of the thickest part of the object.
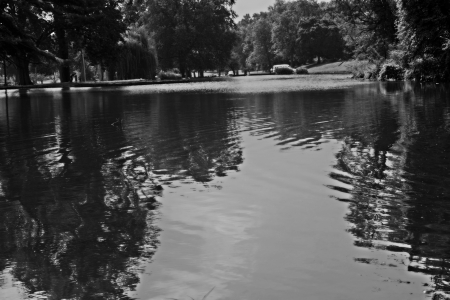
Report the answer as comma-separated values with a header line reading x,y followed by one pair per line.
x,y
138,56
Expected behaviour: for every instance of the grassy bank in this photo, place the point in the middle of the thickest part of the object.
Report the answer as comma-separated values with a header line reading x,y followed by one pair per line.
x,y
115,83
339,67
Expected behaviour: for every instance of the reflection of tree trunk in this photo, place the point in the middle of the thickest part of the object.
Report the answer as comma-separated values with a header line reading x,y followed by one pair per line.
x,y
23,72
63,53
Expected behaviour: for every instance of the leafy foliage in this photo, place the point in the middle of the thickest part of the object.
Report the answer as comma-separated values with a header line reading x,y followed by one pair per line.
x,y
391,71
192,34
262,54
31,30
301,70
169,75
321,38
199,35
137,56
286,25
374,25
424,32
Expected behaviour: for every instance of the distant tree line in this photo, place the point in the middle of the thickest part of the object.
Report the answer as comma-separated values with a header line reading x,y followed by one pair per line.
x,y
294,32
129,39
402,38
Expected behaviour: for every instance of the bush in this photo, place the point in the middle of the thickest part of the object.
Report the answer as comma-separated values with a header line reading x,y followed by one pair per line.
x,y
301,70
391,71
424,69
369,75
284,70
168,75
35,78
361,69
398,57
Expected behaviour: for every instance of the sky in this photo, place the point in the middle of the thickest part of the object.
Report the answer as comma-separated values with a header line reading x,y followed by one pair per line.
x,y
243,7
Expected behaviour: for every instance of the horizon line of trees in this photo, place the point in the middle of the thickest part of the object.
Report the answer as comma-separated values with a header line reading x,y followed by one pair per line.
x,y
135,38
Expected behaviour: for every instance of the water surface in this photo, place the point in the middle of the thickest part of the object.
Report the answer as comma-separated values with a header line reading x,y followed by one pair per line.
x,y
271,190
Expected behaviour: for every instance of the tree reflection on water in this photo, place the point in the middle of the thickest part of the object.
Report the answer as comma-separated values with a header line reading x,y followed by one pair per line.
x,y
78,192
79,171
396,157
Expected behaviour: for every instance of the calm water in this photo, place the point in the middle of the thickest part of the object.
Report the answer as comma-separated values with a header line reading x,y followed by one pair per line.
x,y
270,191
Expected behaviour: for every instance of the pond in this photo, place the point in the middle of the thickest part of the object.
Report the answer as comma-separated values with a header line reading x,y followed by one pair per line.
x,y
264,187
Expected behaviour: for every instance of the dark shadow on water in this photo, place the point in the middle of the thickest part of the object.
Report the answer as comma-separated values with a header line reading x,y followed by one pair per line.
x,y
78,191
396,153
60,231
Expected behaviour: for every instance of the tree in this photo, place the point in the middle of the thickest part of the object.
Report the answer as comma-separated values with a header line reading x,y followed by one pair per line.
x,y
321,38
424,32
101,39
376,23
243,46
30,28
137,55
263,54
23,29
192,33
96,23
284,34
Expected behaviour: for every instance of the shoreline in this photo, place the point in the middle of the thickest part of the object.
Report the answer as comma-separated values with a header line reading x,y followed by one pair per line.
x,y
141,82
115,83
239,85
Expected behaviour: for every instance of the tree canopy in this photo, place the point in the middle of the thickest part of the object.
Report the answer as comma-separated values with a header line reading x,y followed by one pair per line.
x,y
199,35
192,34
321,38
34,29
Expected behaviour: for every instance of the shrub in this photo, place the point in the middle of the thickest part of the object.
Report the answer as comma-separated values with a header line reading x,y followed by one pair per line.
x,y
301,70
360,68
369,75
284,70
424,69
35,78
398,57
168,75
391,71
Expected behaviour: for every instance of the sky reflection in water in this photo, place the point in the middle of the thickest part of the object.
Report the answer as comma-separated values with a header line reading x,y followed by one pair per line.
x,y
247,208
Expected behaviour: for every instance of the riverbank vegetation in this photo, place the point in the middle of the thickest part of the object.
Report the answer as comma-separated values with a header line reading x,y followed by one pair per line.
x,y
62,40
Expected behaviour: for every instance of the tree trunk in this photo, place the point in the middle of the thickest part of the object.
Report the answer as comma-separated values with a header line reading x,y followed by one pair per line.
x,y
101,72
182,69
23,72
318,60
63,53
4,72
112,72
